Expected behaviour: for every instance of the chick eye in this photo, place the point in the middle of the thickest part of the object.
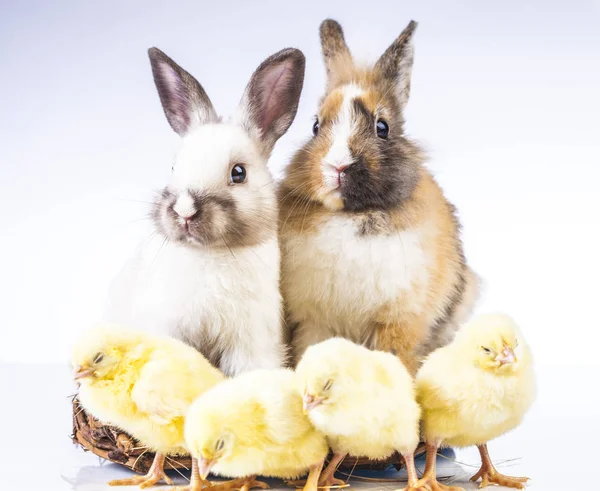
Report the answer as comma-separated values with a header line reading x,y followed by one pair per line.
x,y
486,350
315,128
383,130
328,385
238,174
219,446
98,358
516,343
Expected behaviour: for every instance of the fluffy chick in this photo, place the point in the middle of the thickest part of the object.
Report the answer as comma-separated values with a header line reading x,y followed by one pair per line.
x,y
474,390
362,400
143,384
254,425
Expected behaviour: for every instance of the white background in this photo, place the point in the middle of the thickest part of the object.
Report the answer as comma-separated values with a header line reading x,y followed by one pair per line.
x,y
505,98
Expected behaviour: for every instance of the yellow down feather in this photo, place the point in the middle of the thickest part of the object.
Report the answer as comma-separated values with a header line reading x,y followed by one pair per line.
x,y
467,396
141,383
254,424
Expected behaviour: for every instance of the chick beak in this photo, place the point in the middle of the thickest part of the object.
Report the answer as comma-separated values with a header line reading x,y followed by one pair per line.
x,y
82,372
507,356
309,403
204,467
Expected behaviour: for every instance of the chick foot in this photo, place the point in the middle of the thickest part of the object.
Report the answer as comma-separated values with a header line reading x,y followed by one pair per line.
x,y
254,484
327,479
325,483
494,477
155,474
242,484
413,480
429,480
489,475
194,486
430,483
196,482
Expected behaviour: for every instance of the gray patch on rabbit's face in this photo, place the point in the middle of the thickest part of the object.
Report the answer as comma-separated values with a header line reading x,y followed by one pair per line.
x,y
380,173
215,220
385,171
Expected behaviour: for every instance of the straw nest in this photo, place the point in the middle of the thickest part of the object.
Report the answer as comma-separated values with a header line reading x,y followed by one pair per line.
x,y
115,445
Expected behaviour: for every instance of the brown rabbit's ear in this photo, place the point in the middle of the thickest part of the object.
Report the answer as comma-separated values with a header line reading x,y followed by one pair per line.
x,y
396,63
333,44
270,101
183,99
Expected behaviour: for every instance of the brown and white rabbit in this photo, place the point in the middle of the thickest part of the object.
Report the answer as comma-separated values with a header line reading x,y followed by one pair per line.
x,y
370,246
211,276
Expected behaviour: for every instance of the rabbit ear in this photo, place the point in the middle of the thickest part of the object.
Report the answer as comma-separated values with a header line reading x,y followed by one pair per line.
x,y
333,45
271,98
396,63
184,101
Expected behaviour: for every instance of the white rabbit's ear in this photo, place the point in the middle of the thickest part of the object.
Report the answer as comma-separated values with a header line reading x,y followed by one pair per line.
x,y
334,47
184,101
396,63
270,101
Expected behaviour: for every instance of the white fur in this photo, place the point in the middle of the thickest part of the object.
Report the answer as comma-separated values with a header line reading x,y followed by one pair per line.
x,y
231,302
206,152
339,154
336,281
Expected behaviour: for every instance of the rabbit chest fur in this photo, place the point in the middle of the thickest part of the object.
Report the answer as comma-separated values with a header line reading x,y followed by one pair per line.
x,y
341,279
226,304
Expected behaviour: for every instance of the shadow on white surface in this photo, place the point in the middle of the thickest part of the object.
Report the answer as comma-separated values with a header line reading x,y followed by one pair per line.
x,y
95,477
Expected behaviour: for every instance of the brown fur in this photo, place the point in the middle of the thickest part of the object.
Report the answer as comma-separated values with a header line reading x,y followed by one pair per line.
x,y
427,315
409,330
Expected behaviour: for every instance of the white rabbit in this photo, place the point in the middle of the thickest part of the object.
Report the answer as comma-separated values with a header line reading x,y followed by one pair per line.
x,y
211,276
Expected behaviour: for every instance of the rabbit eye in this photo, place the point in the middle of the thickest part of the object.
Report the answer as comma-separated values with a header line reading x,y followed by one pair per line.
x,y
383,130
315,128
238,174
98,358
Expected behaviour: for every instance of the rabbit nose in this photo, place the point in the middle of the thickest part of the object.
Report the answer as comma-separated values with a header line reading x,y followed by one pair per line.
x,y
340,170
185,207
186,218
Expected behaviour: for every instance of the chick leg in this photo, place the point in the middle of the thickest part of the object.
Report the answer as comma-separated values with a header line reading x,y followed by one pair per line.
x,y
312,482
327,478
409,460
489,474
196,482
155,474
429,480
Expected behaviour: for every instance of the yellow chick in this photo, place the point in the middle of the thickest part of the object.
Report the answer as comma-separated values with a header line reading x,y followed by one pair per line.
x,y
254,425
143,384
474,390
362,400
